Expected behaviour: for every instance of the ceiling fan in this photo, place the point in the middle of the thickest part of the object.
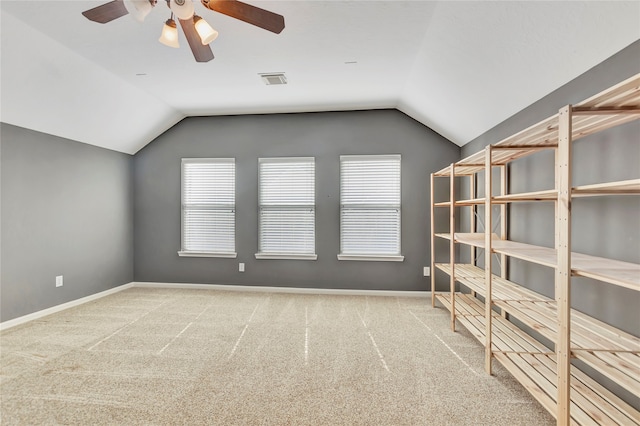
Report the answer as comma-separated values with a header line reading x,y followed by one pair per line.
x,y
197,31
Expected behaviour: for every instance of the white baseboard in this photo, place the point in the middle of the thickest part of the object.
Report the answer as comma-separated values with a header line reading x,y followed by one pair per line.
x,y
294,290
52,310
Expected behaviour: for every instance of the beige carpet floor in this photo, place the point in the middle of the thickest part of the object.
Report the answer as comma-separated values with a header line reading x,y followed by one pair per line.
x,y
195,357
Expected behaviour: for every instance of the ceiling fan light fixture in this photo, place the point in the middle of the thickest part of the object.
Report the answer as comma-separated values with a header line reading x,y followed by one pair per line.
x,y
138,9
183,9
169,36
205,31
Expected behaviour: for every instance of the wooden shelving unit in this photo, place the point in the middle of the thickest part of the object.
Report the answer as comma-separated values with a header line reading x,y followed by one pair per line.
x,y
538,352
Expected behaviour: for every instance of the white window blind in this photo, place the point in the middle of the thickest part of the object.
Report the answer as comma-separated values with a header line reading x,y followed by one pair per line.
x,y
370,205
208,206
287,207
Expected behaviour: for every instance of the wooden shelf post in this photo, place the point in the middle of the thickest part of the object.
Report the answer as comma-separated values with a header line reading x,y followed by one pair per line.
x,y
472,220
452,245
433,247
563,270
503,219
487,256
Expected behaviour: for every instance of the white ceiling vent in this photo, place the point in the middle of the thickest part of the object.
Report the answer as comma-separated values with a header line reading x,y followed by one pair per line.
x,y
274,78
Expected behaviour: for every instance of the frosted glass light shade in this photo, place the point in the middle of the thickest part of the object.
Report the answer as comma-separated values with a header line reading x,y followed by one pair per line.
x,y
138,9
182,8
206,33
169,36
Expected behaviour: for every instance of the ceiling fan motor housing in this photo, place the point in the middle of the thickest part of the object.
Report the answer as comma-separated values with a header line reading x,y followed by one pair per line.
x,y
183,9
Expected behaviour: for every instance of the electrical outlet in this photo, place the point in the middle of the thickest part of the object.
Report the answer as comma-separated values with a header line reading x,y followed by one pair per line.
x,y
426,271
59,281
241,267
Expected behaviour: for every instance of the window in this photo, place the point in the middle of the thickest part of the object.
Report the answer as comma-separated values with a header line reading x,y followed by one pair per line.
x,y
287,208
208,207
370,207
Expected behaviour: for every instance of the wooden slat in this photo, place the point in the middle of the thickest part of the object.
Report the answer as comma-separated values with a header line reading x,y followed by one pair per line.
x,y
626,187
548,195
606,110
443,172
618,370
631,186
623,341
624,274
608,97
470,202
542,133
529,383
592,394
586,126
618,409
583,411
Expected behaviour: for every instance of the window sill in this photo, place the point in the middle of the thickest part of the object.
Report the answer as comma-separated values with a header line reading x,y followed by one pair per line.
x,y
206,254
371,257
286,256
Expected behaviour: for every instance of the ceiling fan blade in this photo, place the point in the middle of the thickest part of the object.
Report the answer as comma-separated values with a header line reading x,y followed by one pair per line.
x,y
202,52
106,12
250,14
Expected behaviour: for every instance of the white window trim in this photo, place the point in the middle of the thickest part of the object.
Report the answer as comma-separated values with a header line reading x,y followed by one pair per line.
x,y
206,254
391,257
186,253
372,258
287,256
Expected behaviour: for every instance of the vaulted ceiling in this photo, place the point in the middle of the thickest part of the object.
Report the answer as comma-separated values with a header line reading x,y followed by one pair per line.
x,y
458,67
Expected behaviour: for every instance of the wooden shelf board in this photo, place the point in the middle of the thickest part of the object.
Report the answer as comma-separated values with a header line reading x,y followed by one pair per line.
x,y
610,351
590,402
521,356
588,125
545,195
470,202
623,367
624,274
473,277
470,313
631,186
627,187
511,296
625,95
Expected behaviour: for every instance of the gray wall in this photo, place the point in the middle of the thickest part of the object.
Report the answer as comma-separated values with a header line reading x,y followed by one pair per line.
x,y
603,226
66,210
324,136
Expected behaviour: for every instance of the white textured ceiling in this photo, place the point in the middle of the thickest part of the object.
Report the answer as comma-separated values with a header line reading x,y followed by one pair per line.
x,y
458,67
